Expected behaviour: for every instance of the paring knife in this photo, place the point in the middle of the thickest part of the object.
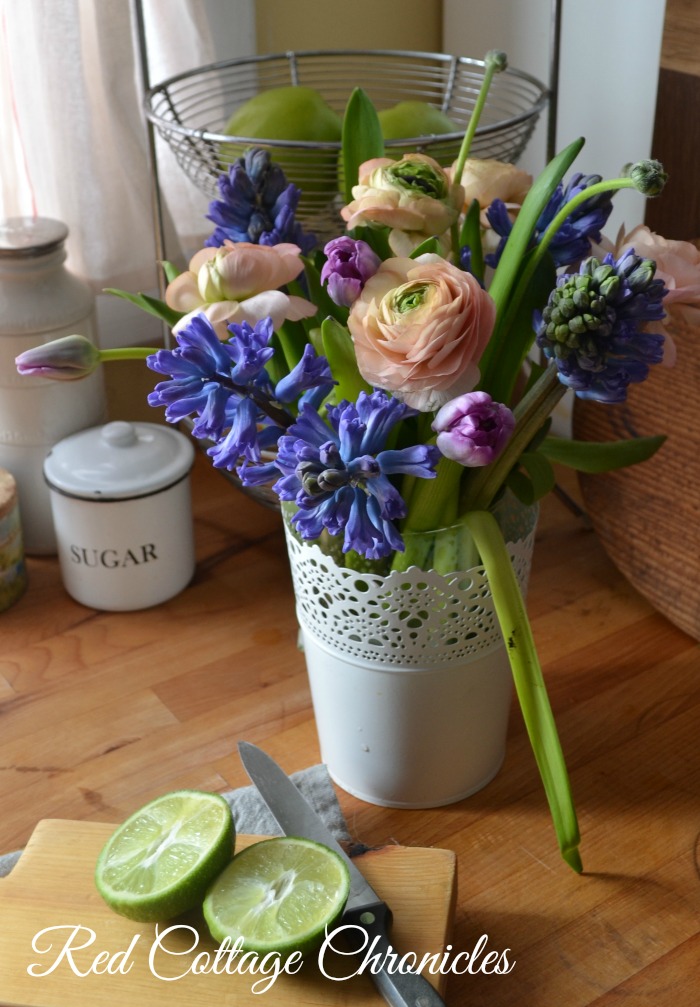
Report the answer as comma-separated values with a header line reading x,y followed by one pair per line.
x,y
364,909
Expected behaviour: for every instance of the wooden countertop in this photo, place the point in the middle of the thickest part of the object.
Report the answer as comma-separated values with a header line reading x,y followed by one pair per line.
x,y
99,712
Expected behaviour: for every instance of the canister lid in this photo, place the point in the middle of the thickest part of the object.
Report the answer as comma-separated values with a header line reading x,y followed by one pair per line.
x,y
28,237
118,461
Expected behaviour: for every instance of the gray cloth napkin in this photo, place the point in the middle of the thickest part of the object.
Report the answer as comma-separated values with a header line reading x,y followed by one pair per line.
x,y
251,815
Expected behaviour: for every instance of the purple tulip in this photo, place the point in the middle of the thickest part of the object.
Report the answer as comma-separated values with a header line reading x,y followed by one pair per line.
x,y
473,429
349,264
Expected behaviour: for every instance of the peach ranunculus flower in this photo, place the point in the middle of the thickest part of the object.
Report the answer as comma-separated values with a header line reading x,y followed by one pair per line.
x,y
485,179
677,264
419,328
238,283
413,196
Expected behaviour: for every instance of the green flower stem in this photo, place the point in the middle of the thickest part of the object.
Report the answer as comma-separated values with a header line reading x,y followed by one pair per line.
x,y
607,185
433,505
494,63
481,485
434,501
127,353
529,683
454,550
454,242
513,304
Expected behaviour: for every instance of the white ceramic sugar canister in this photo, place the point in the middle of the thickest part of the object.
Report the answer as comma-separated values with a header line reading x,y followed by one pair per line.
x,y
40,300
120,497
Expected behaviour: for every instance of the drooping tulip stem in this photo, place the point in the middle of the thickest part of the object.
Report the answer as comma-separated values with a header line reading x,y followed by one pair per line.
x,y
529,683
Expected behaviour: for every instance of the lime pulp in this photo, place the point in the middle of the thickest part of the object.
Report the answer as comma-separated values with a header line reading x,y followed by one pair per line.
x,y
278,895
161,860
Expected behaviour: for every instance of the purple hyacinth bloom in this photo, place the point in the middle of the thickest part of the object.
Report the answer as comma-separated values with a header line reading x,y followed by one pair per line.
x,y
593,326
572,242
227,388
338,473
349,264
197,368
257,204
312,371
473,429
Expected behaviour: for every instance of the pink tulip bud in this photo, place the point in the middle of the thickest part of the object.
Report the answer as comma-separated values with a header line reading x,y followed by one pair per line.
x,y
65,359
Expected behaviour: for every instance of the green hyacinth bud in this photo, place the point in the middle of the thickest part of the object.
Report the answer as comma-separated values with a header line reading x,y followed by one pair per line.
x,y
649,177
497,59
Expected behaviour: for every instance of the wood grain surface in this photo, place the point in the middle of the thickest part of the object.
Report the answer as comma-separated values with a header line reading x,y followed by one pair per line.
x,y
99,712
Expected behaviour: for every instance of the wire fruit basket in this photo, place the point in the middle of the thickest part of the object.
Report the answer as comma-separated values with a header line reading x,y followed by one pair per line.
x,y
191,110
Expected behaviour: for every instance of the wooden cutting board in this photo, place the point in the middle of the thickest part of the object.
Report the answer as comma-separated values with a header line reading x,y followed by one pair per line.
x,y
52,886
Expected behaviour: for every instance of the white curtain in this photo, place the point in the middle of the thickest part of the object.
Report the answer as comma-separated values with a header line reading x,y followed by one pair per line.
x,y
74,141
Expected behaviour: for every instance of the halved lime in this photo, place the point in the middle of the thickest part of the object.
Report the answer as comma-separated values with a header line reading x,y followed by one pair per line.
x,y
160,862
278,895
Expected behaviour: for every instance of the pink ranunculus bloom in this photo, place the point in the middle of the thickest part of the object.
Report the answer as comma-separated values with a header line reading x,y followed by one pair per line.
x,y
473,429
419,328
239,283
413,196
485,179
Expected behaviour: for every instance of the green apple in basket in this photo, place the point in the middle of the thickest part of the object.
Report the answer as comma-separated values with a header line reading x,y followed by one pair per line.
x,y
414,118
290,113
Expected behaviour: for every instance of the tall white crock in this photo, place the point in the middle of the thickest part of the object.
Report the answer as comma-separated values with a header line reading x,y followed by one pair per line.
x,y
40,301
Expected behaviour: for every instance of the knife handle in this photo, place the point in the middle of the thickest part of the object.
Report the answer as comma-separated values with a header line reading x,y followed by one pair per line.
x,y
399,989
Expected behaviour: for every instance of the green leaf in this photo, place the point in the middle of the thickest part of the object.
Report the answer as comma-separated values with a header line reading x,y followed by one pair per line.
x,y
429,245
318,294
529,682
536,481
171,271
276,366
293,340
515,334
340,353
471,235
362,137
376,237
523,229
151,305
594,457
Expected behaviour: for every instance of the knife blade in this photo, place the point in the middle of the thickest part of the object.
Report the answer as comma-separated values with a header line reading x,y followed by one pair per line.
x,y
364,909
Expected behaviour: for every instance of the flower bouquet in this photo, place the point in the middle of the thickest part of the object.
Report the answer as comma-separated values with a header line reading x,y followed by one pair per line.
x,y
385,385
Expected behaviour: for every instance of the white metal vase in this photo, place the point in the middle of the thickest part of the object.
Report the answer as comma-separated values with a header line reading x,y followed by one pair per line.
x,y
409,675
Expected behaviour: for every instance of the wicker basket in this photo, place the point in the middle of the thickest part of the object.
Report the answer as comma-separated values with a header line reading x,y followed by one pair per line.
x,y
191,110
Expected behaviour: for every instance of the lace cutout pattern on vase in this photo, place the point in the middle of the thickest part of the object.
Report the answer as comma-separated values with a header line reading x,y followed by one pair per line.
x,y
413,618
